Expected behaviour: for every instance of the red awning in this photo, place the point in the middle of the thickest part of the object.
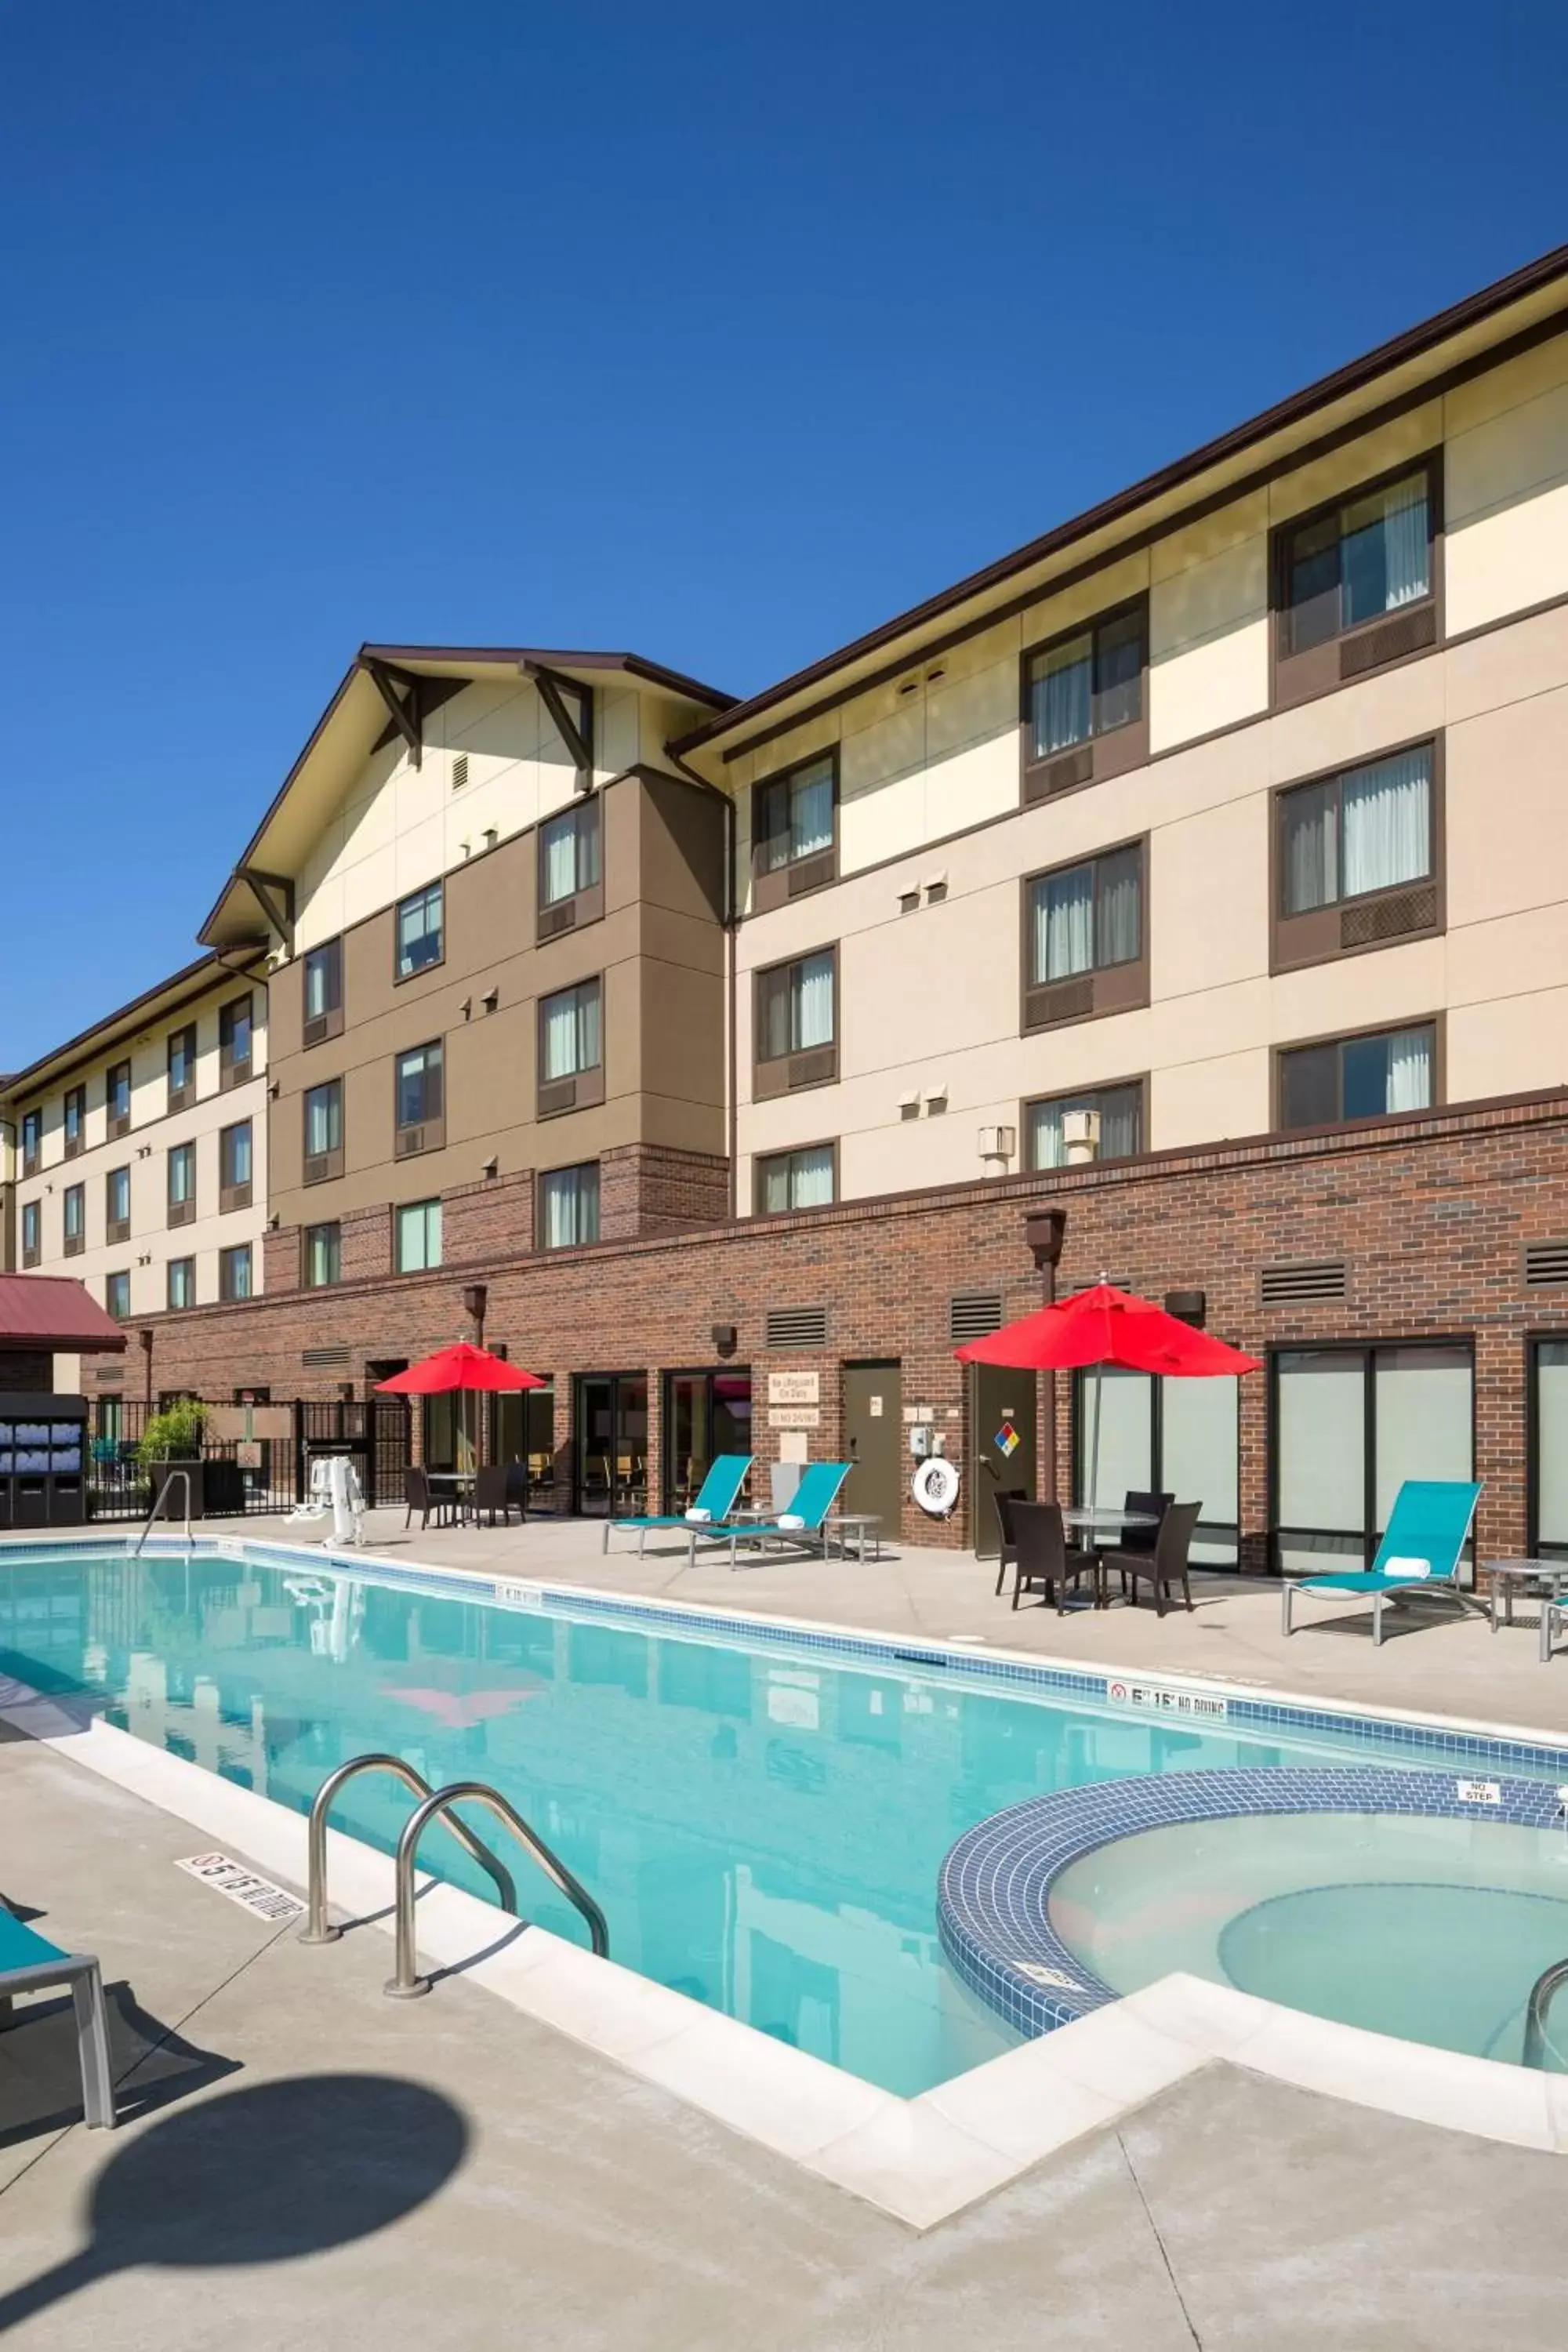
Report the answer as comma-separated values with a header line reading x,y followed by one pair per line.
x,y
51,1314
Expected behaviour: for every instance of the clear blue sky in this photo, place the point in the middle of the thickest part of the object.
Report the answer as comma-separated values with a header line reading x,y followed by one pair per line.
x,y
720,333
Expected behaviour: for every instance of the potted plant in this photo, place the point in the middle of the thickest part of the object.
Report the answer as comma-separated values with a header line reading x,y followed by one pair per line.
x,y
173,1440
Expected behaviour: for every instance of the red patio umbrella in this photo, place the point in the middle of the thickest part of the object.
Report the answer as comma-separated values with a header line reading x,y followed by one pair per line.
x,y
459,1367
1106,1326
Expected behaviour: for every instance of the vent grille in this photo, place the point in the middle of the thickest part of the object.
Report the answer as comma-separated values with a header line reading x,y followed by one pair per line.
x,y
972,1317
1061,776
796,1327
460,772
315,1029
813,1069
409,1139
559,1095
1545,1264
552,920
323,1359
1391,642
1064,1000
1292,1286
811,873
1391,918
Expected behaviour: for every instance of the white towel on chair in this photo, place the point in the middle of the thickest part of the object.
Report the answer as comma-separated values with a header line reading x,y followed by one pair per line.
x,y
1413,1569
699,1517
790,1519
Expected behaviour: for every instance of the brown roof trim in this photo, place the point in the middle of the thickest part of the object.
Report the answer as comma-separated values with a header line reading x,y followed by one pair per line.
x,y
191,980
1353,377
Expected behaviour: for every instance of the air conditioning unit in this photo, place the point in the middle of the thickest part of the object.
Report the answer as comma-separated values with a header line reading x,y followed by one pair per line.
x,y
998,1142
409,1139
1080,1136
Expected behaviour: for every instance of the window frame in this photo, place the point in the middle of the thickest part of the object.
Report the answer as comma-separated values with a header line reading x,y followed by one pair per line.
x,y
573,1167
401,1209
73,1146
117,1122
227,1259
1437,1022
1030,1103
431,889
1102,752
122,1273
1383,1343
234,1070
585,903
179,1306
181,1097
322,1167
116,1229
1537,1338
1327,934
332,1228
32,1140
1351,654
581,1089
31,1251
775,886
316,1028
412,1137
235,1193
1103,989
811,1065
763,1160
73,1245
180,1212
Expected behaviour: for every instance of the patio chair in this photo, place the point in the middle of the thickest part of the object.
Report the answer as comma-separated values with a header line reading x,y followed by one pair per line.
x,y
493,1492
1137,1541
1166,1563
30,1963
417,1495
1003,1498
804,1523
716,1498
1420,1553
1041,1557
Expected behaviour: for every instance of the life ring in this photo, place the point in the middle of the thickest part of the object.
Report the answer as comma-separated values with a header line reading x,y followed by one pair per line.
x,y
936,1485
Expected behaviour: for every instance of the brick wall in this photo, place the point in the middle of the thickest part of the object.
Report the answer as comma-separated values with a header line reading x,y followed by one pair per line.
x,y
649,1188
1431,1214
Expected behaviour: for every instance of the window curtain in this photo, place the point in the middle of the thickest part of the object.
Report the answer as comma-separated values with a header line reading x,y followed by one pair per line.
x,y
561,1210
811,811
239,1157
588,1047
811,1178
1119,925
1063,925
1410,1069
571,1033
811,1009
1384,550
320,1123
1119,672
560,859
181,1173
776,1187
1120,1125
1062,696
1311,856
1387,822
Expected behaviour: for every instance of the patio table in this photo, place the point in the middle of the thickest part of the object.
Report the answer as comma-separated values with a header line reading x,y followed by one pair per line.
x,y
461,1485
1508,1574
1087,1520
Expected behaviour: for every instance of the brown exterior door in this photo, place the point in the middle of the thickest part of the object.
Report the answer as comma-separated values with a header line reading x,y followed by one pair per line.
x,y
1002,1425
874,1442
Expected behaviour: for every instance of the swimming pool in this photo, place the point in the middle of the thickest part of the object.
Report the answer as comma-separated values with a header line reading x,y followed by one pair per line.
x,y
762,1813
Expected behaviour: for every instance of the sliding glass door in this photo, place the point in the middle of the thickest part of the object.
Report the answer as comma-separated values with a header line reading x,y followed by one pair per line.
x,y
1165,1437
1549,1449
610,1455
1349,1426
705,1414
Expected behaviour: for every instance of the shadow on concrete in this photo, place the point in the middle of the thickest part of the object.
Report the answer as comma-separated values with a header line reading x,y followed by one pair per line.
x,y
40,2072
264,2175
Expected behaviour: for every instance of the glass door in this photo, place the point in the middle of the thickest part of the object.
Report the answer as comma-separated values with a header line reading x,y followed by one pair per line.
x,y
610,1454
522,1429
1162,1437
1549,1450
705,1414
1349,1426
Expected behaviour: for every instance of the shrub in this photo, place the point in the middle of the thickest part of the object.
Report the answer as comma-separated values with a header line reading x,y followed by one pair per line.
x,y
174,1435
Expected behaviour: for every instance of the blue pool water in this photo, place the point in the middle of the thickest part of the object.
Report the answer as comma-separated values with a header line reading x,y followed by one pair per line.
x,y
763,1825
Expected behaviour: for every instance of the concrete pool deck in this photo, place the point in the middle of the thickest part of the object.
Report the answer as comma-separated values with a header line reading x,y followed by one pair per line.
x,y
585,2206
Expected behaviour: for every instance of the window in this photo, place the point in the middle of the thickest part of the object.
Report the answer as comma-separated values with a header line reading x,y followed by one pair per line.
x,y
117,1296
235,1043
183,1185
32,1141
323,993
1084,946
1135,1434
797,1180
324,1132
569,1207
1368,834
1351,1424
1549,1450
74,1204
1358,1077
569,875
420,1107
1119,1110
182,1066
418,1236
32,1232
182,1283
797,1024
75,1120
420,932
117,1098
234,1162
1084,703
571,1048
234,1273
117,1205
1356,585
793,831
321,1256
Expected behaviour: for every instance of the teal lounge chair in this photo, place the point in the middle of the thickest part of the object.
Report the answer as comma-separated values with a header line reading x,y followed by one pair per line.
x,y
1427,1531
29,1964
804,1523
718,1495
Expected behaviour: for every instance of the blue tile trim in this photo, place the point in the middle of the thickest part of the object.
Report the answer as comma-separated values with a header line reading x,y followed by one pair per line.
x,y
994,1892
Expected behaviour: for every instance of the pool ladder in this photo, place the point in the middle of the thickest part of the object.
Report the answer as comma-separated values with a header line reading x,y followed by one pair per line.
x,y
1547,1984
405,1983
181,1478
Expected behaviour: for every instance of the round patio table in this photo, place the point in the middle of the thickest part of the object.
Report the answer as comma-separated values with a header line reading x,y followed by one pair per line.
x,y
1089,1519
1549,1577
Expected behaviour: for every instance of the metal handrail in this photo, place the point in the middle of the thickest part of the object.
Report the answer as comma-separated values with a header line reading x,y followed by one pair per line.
x,y
1549,1982
406,1984
185,1478
316,1928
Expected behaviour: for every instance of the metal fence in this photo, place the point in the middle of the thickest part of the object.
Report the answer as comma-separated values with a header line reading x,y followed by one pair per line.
x,y
241,1477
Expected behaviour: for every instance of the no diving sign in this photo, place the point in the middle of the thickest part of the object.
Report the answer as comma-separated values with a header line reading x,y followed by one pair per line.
x,y
243,1886
1160,1698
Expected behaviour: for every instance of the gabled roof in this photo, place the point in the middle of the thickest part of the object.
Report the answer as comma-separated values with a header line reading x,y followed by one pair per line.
x,y
354,720
160,1001
51,1314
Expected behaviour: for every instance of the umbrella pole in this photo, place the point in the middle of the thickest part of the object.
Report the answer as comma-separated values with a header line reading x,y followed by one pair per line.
x,y
1094,1444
